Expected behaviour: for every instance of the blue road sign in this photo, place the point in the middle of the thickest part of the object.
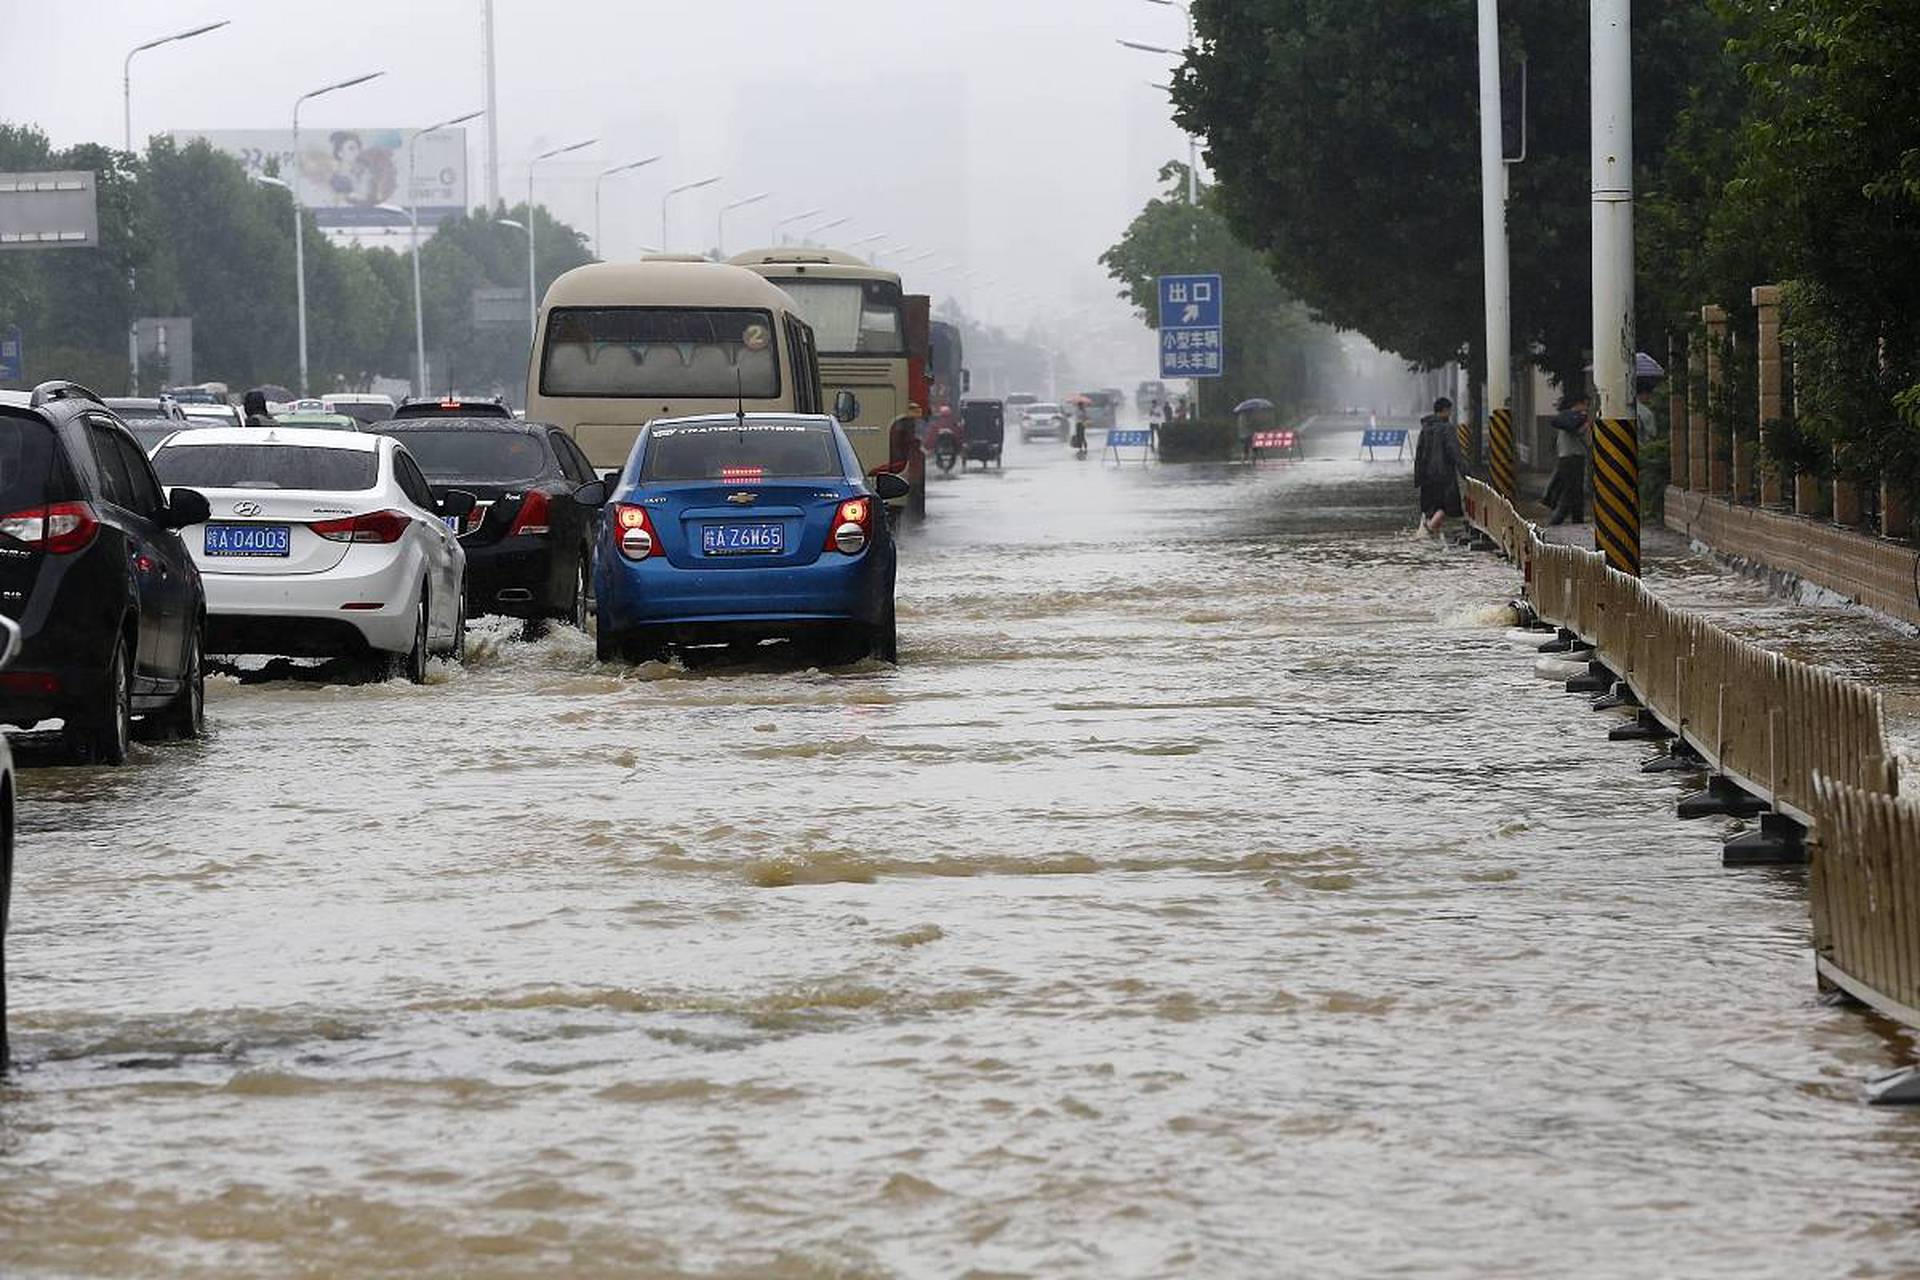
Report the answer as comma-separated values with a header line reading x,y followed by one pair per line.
x,y
1192,336
12,359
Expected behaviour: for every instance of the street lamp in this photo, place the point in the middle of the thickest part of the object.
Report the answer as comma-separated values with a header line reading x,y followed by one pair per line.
x,y
126,68
598,250
299,223
533,303
794,217
826,226
413,217
666,241
1193,146
720,226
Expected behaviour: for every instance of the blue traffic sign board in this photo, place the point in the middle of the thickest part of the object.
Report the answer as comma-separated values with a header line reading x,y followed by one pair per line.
x,y
1192,336
12,361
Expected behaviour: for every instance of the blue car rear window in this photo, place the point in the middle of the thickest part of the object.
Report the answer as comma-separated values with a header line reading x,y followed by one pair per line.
x,y
723,451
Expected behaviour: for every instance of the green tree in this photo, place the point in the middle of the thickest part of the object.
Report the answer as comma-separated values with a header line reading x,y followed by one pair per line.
x,y
1345,135
1274,349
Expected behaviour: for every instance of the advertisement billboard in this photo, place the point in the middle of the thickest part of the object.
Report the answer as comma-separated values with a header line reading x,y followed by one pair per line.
x,y
48,211
345,175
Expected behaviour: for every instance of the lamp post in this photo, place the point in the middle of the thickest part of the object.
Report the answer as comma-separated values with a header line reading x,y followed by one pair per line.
x,y
790,218
666,240
533,303
1193,144
126,68
599,250
720,225
413,218
826,226
299,223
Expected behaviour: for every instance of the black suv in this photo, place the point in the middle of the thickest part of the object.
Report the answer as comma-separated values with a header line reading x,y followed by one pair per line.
x,y
529,542
453,407
109,603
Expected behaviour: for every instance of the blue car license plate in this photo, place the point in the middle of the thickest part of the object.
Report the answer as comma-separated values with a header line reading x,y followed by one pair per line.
x,y
248,540
743,539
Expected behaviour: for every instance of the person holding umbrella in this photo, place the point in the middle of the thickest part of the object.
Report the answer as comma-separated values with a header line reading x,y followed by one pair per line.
x,y
1249,416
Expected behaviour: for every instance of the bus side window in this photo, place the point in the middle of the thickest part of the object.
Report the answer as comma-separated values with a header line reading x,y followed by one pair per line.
x,y
807,374
806,381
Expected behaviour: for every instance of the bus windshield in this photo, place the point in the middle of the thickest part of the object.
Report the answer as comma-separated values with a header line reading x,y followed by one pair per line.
x,y
660,352
851,317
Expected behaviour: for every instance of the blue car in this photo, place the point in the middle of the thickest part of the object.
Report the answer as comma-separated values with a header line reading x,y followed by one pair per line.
x,y
737,528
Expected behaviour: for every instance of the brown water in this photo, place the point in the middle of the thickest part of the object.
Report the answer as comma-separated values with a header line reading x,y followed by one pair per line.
x,y
1212,891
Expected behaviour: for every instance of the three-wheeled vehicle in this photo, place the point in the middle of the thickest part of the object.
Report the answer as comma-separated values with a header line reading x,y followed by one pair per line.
x,y
986,427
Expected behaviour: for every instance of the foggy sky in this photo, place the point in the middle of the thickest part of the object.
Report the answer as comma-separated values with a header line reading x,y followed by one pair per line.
x,y
1014,137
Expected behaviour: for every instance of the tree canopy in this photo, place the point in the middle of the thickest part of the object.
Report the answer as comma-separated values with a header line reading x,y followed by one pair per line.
x,y
1274,349
1346,139
183,232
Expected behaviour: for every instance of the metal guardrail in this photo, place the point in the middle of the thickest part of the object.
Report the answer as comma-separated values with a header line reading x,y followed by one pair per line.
x,y
1809,742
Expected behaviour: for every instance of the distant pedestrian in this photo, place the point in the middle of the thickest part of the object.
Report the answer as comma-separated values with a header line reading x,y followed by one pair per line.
x,y
254,406
1567,493
1080,431
1436,467
1643,410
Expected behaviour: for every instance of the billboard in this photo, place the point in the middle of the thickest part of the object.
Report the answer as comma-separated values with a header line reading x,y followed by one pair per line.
x,y
48,211
345,175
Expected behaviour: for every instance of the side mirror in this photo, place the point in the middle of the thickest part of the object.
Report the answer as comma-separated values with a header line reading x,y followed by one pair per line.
x,y
846,406
611,479
591,494
890,487
185,507
9,641
457,503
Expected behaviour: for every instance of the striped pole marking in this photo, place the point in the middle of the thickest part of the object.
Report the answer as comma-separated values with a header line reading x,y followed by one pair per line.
x,y
1500,437
1616,492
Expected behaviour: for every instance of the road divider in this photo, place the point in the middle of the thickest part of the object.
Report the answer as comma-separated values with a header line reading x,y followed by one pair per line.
x,y
1797,747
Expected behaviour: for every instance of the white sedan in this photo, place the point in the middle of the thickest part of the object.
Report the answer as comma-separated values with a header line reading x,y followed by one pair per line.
x,y
322,544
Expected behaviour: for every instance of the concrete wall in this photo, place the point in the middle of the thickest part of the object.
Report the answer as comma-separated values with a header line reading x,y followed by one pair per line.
x,y
1871,571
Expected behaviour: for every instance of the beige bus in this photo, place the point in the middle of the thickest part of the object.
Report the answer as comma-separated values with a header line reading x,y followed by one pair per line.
x,y
623,343
859,321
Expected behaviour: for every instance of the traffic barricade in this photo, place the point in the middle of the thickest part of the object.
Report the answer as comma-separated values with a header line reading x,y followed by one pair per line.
x,y
1394,438
1274,442
1140,438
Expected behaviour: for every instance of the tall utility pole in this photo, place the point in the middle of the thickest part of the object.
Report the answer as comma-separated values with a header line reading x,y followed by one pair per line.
x,y
493,112
1616,445
1493,229
533,301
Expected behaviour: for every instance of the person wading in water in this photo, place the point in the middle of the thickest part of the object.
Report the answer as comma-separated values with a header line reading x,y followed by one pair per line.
x,y
1436,467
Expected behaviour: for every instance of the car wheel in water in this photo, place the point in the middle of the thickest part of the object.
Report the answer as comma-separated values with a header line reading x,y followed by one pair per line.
x,y
886,640
413,663
582,592
186,716
103,734
459,650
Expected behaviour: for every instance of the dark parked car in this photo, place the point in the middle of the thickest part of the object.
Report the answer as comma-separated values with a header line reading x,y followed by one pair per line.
x,y
529,543
109,603
150,419
453,407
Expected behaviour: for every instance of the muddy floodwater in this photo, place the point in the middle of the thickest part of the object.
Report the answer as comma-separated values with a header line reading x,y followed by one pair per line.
x,y
1214,890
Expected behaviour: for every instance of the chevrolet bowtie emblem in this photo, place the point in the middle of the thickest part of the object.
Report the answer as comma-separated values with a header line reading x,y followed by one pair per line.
x,y
743,498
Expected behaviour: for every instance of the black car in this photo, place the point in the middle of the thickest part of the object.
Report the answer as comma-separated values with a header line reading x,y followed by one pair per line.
x,y
529,542
452,407
109,603
151,420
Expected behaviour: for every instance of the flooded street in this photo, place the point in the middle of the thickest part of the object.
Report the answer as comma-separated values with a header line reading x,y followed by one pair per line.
x,y
1213,890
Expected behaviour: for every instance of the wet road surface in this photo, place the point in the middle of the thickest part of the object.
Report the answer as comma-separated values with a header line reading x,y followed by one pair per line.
x,y
1212,891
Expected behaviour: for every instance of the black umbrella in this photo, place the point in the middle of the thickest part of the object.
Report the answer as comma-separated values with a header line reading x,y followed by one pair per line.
x,y
1255,405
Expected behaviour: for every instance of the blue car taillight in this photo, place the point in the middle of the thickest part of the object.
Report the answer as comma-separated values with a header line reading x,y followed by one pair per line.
x,y
633,532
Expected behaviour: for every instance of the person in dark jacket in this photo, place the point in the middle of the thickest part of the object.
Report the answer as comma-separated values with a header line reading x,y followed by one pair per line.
x,y
1567,492
1436,467
253,407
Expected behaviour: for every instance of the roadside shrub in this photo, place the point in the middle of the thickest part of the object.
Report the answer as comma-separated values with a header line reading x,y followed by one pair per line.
x,y
1199,440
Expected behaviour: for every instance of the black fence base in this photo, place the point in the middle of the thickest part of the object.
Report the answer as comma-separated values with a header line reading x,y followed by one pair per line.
x,y
1620,698
1564,641
1645,727
1780,842
1679,757
1599,678
1722,798
1901,1089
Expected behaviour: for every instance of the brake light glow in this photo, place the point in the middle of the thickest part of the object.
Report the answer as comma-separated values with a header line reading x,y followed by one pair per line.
x,y
375,526
534,516
31,682
58,528
852,527
633,532
742,475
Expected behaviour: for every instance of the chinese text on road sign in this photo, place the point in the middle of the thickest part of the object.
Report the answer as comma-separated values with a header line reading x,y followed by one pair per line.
x,y
1192,338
